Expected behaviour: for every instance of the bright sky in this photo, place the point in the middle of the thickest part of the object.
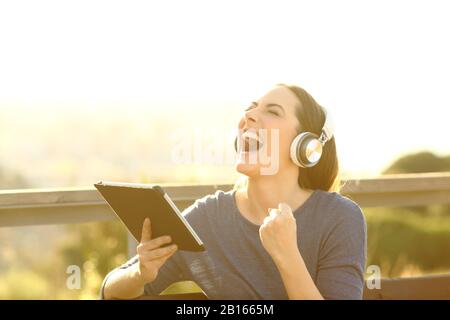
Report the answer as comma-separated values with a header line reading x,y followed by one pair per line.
x,y
381,67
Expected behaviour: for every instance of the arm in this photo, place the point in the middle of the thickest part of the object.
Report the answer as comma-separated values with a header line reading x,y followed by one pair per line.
x,y
123,283
341,262
128,281
278,235
296,278
145,274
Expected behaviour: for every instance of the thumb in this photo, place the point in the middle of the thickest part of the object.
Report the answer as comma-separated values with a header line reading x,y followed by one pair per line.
x,y
284,208
146,234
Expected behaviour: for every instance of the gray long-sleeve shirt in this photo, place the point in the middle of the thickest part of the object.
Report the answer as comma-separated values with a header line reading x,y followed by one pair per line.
x,y
331,233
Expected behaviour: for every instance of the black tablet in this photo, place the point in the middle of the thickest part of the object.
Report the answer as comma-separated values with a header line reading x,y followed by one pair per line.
x,y
133,202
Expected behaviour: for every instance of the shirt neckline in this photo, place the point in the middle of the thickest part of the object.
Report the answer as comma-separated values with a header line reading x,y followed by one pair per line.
x,y
297,211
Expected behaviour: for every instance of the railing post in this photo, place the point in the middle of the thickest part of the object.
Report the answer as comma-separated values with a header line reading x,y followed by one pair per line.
x,y
131,245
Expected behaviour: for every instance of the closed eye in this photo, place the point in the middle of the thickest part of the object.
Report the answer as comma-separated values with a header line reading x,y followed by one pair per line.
x,y
275,109
270,108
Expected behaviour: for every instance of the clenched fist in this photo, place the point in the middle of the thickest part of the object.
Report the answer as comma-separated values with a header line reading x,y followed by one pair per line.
x,y
278,232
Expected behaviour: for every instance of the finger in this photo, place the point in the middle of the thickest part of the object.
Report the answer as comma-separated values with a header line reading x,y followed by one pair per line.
x,y
266,220
154,243
273,213
151,258
164,258
284,208
158,253
159,261
146,230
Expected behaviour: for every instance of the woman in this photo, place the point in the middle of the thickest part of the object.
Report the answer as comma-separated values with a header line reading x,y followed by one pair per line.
x,y
286,234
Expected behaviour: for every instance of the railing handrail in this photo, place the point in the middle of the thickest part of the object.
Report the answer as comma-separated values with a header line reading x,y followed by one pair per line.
x,y
73,205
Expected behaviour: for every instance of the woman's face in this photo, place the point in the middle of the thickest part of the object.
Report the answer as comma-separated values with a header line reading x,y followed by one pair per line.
x,y
272,121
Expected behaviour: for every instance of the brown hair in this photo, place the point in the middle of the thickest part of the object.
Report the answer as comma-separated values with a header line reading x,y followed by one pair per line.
x,y
311,116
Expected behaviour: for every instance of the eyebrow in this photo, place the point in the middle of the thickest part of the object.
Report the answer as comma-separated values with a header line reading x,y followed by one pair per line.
x,y
270,105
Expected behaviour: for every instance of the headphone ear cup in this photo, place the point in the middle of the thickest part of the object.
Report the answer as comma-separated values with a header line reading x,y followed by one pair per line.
x,y
299,152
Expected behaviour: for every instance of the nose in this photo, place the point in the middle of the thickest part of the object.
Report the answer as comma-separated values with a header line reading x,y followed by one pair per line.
x,y
250,116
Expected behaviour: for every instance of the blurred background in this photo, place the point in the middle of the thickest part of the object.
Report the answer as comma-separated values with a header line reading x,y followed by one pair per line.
x,y
107,90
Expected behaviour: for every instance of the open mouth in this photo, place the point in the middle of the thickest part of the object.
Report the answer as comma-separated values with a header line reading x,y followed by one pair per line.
x,y
251,141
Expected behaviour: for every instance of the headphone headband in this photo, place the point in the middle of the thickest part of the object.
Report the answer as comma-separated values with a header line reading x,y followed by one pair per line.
x,y
329,127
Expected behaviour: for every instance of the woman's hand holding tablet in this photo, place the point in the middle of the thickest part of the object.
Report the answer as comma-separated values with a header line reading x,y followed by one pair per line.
x,y
152,253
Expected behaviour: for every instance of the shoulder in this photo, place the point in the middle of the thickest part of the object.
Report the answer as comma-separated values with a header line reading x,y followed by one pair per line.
x,y
210,205
338,208
214,200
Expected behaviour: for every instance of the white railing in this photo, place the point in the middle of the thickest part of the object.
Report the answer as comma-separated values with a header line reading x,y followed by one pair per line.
x,y
75,205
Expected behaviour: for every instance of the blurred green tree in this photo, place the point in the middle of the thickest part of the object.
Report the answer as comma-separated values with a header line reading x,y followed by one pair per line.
x,y
420,162
96,248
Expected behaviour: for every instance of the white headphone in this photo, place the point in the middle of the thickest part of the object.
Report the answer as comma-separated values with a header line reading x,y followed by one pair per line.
x,y
306,148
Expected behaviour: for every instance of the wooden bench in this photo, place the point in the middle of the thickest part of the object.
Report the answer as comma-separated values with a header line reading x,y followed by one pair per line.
x,y
434,287
414,288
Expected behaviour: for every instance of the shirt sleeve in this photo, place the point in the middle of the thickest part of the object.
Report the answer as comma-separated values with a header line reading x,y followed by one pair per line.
x,y
123,266
342,258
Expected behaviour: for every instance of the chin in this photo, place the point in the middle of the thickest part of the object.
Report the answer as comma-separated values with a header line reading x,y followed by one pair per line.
x,y
244,166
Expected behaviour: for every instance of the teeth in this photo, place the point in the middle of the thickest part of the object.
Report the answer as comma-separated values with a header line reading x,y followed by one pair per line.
x,y
251,134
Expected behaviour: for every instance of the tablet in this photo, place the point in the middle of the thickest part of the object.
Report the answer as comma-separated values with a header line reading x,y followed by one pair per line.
x,y
133,202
